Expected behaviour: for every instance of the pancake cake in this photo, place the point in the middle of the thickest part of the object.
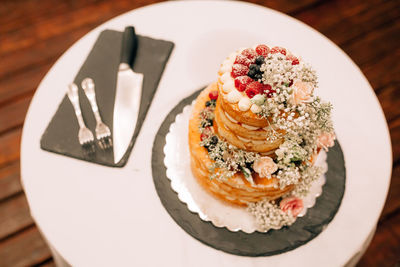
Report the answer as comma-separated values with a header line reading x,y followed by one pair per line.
x,y
254,134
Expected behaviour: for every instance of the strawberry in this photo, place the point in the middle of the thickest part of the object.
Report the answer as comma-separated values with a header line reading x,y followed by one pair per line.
x,y
241,82
292,58
249,53
213,95
207,132
253,88
262,50
239,70
277,49
241,59
266,88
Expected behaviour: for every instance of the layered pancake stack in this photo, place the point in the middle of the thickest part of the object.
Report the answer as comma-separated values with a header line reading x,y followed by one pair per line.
x,y
239,148
236,189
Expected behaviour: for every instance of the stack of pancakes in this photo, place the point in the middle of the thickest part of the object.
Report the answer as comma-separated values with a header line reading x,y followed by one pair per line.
x,y
243,129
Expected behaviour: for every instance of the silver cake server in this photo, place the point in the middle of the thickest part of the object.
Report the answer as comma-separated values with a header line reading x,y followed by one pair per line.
x,y
127,96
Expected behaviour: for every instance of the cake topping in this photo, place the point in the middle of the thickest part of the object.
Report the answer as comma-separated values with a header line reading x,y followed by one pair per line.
x,y
262,50
292,205
255,108
278,49
241,82
249,53
244,104
241,59
265,166
213,95
228,86
254,88
258,99
225,77
326,140
234,96
239,70
302,91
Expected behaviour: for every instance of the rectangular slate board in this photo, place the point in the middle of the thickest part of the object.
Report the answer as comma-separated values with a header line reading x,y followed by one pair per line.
x,y
61,135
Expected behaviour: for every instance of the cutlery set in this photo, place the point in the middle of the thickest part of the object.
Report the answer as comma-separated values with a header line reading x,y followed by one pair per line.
x,y
126,106
85,136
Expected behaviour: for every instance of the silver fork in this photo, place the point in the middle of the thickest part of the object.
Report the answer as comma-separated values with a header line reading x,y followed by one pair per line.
x,y
85,136
103,133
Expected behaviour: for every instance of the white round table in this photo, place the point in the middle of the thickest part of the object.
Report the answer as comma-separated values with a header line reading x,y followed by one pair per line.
x,y
99,216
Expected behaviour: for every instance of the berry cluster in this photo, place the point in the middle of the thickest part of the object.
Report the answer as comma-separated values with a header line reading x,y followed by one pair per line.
x,y
247,70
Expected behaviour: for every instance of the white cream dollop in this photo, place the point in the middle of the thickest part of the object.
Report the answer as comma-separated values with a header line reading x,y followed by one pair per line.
x,y
230,118
255,108
243,139
225,77
228,86
249,127
234,96
226,66
244,104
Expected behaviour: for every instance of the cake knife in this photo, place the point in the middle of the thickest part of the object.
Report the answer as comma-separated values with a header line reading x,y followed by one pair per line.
x,y
127,96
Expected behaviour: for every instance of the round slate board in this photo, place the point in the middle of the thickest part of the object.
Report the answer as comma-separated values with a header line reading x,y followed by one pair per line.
x,y
239,243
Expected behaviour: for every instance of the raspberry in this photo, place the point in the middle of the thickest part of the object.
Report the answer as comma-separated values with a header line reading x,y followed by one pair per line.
x,y
292,58
295,62
203,136
241,82
254,88
242,87
249,53
213,95
262,50
278,49
241,59
206,133
239,70
266,88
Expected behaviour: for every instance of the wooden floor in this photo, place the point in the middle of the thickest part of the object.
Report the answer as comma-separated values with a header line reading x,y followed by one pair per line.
x,y
34,33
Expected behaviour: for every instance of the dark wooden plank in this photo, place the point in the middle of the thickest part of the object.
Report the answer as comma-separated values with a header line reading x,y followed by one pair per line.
x,y
394,128
37,42
342,21
10,183
67,19
287,6
48,263
13,114
14,216
23,83
374,45
25,249
383,71
15,15
389,97
384,249
10,146
392,204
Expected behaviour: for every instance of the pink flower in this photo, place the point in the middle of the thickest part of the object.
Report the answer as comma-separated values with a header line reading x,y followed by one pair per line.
x,y
265,166
292,204
302,92
326,140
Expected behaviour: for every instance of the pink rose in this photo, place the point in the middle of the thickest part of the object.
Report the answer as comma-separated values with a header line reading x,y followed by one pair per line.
x,y
293,204
265,166
302,92
326,140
